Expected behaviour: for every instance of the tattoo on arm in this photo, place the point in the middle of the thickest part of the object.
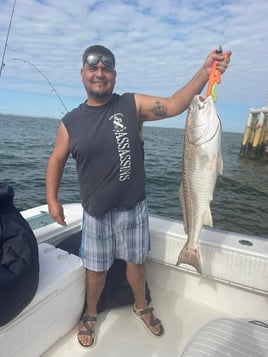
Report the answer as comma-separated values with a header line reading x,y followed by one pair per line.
x,y
159,111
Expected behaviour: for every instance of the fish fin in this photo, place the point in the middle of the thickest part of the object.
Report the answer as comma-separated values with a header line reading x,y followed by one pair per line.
x,y
181,196
207,219
220,165
216,163
191,257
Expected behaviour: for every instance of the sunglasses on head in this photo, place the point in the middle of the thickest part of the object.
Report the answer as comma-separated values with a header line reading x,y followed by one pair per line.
x,y
93,60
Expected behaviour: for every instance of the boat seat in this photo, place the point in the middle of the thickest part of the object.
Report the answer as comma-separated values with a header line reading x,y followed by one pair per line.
x,y
229,337
54,310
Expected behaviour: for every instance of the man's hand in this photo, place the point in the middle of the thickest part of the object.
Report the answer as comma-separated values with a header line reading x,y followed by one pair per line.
x,y
222,60
56,212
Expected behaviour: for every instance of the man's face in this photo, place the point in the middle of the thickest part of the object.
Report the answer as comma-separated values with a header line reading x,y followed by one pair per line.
x,y
98,78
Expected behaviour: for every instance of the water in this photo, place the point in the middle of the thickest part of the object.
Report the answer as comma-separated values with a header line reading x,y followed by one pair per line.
x,y
240,198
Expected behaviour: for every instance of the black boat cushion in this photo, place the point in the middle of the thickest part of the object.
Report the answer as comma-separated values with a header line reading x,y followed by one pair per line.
x,y
19,261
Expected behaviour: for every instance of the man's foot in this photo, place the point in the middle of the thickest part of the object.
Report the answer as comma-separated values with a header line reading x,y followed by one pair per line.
x,y
151,324
86,333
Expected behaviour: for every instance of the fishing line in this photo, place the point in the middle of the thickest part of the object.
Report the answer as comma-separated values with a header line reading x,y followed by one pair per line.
x,y
45,77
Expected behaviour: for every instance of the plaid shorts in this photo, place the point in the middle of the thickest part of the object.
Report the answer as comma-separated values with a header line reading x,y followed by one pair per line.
x,y
118,234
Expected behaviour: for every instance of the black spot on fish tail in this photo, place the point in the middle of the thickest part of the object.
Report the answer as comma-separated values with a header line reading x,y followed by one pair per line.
x,y
191,257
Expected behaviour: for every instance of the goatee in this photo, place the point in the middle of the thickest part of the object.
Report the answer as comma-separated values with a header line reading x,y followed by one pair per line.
x,y
98,95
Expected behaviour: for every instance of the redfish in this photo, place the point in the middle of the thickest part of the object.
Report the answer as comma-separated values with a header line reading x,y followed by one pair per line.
x,y
202,163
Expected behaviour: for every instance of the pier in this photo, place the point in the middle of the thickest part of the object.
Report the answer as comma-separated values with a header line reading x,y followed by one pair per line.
x,y
255,140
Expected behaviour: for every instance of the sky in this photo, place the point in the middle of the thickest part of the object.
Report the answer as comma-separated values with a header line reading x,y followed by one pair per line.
x,y
159,45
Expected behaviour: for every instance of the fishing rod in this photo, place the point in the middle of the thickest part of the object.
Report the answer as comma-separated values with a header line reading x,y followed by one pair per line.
x,y
9,27
45,77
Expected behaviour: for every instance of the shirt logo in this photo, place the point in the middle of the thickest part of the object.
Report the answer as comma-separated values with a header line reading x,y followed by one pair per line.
x,y
123,146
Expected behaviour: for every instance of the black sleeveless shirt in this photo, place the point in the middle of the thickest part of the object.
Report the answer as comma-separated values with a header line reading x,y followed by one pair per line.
x,y
108,150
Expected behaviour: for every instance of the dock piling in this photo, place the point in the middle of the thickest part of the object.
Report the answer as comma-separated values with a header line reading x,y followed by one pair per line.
x,y
255,140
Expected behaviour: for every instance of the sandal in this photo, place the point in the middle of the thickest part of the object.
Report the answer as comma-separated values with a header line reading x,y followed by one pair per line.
x,y
139,313
89,330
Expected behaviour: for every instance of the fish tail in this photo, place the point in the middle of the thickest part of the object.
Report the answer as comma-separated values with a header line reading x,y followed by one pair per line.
x,y
191,257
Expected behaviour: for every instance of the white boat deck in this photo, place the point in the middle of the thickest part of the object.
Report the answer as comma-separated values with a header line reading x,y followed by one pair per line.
x,y
183,308
119,334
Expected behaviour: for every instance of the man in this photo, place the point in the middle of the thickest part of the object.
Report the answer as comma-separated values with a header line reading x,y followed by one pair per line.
x,y
104,136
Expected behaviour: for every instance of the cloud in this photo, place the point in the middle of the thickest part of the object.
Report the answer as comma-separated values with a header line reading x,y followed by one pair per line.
x,y
158,47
